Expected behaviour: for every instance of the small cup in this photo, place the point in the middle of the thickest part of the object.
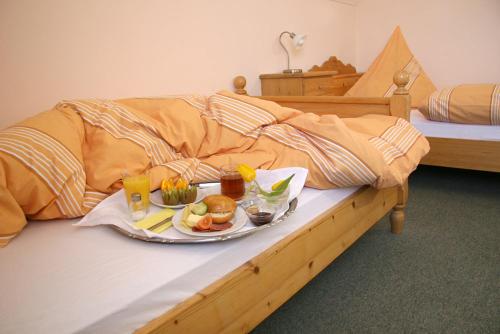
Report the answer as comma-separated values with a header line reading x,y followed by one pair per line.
x,y
258,211
231,182
136,207
134,186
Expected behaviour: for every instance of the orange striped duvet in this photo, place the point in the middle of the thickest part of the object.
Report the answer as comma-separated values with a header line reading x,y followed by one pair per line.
x,y
63,162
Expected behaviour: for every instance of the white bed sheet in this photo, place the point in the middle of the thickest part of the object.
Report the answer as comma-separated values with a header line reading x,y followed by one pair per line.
x,y
453,130
58,278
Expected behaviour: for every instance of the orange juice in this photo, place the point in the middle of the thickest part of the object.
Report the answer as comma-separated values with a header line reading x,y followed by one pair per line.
x,y
137,184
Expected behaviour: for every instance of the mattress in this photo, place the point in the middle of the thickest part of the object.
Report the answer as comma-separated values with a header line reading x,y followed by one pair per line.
x,y
453,130
58,278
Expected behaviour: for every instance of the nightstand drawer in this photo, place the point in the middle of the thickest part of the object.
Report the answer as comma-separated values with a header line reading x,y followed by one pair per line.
x,y
307,83
281,86
335,85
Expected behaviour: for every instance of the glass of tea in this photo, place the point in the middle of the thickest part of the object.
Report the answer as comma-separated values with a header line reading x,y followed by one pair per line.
x,y
231,182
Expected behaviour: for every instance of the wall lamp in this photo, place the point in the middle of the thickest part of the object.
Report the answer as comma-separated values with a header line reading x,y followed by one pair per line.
x,y
297,41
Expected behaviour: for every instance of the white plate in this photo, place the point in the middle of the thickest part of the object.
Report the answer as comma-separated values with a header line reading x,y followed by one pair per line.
x,y
239,220
156,199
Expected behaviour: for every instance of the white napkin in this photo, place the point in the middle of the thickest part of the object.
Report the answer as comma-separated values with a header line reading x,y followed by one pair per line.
x,y
113,210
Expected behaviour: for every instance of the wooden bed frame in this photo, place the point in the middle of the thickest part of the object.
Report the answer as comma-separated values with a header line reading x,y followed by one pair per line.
x,y
463,153
243,298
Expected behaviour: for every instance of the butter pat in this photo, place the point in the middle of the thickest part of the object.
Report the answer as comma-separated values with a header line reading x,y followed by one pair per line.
x,y
193,219
154,219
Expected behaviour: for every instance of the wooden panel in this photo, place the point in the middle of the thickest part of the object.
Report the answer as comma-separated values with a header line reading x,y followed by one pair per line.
x,y
289,86
462,153
311,83
400,106
340,106
360,101
334,64
298,75
246,296
313,86
337,85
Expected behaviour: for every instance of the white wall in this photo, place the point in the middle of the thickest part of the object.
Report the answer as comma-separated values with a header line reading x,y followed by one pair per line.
x,y
58,49
456,41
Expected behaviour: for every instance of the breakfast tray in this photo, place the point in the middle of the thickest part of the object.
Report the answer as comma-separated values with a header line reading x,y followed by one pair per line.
x,y
195,240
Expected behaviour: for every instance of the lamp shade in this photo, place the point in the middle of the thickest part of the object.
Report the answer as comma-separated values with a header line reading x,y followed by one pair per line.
x,y
298,40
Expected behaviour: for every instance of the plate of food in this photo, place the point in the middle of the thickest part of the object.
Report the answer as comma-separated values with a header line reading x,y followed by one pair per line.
x,y
215,215
176,195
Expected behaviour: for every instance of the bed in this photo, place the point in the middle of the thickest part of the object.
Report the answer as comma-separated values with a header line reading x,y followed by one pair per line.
x,y
261,285
112,284
475,147
467,146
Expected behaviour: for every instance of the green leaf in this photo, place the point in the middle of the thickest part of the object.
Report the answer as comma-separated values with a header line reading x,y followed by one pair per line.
x,y
280,190
282,187
262,191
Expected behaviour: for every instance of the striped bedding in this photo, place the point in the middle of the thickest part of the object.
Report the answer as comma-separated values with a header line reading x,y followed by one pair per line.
x,y
466,104
63,162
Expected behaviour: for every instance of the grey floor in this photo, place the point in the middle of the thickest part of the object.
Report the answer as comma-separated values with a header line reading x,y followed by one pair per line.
x,y
442,275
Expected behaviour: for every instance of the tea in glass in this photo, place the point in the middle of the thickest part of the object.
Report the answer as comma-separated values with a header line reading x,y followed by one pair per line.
x,y
231,182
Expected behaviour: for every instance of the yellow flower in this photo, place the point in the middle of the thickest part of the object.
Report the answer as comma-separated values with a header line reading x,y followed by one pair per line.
x,y
181,184
167,184
247,172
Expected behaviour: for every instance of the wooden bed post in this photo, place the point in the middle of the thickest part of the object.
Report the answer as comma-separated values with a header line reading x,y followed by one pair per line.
x,y
397,217
239,83
400,100
400,107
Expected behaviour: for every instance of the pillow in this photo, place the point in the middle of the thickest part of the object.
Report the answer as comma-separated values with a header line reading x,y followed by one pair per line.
x,y
470,104
396,56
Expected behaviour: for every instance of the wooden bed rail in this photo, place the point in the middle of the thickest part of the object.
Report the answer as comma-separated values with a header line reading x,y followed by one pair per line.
x,y
344,106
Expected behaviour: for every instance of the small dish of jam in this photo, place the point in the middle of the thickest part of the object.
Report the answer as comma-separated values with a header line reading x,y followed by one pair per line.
x,y
258,212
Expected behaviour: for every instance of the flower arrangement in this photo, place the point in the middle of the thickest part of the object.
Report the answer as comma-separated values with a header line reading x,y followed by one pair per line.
x,y
277,194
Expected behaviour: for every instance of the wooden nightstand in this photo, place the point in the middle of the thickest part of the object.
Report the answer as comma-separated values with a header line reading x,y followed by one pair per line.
x,y
331,78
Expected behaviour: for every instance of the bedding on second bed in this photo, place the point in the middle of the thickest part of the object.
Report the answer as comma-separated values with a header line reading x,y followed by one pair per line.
x,y
467,104
453,130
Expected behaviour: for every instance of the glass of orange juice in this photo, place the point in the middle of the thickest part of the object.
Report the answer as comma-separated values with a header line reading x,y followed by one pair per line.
x,y
137,184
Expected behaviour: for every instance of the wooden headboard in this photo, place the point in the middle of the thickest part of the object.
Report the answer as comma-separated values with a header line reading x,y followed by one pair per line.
x,y
334,64
396,105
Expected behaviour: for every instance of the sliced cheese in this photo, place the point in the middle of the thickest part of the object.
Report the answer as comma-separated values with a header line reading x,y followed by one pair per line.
x,y
154,219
